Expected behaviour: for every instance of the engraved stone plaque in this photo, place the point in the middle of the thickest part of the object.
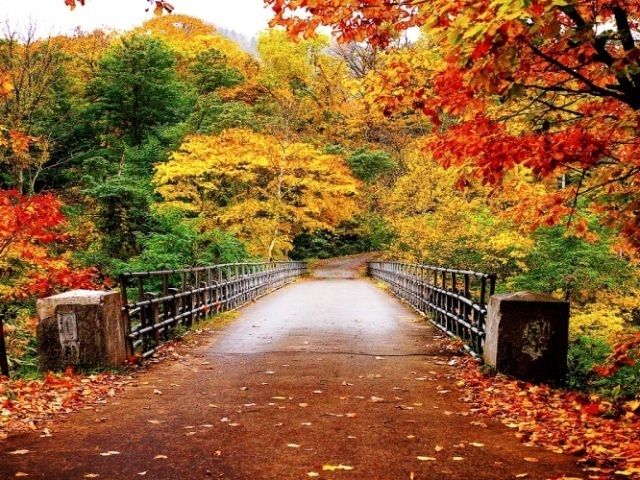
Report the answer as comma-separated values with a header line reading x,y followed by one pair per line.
x,y
68,327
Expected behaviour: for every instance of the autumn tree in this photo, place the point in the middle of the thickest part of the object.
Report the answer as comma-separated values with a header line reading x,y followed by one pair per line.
x,y
549,85
437,224
29,227
306,90
220,75
265,190
32,108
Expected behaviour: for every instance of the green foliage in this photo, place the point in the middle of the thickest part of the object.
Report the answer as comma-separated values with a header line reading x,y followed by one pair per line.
x,y
212,115
20,338
612,371
365,234
211,72
368,165
573,266
122,213
136,89
327,244
177,243
584,353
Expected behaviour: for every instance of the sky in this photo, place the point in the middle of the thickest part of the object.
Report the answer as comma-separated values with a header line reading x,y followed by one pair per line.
x,y
53,17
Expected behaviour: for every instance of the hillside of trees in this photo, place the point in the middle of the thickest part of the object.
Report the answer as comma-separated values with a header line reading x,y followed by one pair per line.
x,y
170,146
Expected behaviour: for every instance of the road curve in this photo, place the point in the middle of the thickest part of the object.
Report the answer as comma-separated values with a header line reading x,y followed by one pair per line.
x,y
328,378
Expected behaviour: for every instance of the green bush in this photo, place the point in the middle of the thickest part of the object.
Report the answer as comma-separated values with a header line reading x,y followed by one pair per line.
x,y
584,353
609,369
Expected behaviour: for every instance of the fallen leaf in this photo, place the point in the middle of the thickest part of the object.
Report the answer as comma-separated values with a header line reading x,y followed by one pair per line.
x,y
109,453
332,468
628,471
313,474
439,448
19,452
155,422
293,445
22,474
303,405
458,459
476,444
426,459
531,459
157,392
92,475
377,399
522,475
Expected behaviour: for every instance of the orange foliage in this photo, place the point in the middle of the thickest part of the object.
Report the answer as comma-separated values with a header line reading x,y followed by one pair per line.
x,y
562,421
549,85
27,267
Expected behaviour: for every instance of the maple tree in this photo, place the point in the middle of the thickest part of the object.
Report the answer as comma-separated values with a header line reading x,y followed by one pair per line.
x,y
550,85
261,188
27,226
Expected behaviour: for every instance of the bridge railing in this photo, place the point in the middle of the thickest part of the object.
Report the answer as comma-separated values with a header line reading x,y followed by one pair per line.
x,y
454,300
155,303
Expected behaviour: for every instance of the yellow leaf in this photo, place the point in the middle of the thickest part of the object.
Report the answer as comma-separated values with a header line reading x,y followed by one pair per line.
x,y
628,471
313,474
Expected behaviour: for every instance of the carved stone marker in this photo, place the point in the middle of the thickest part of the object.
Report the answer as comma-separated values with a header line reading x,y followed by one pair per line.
x,y
81,328
527,335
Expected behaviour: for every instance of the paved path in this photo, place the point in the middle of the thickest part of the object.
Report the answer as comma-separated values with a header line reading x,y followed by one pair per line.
x,y
329,378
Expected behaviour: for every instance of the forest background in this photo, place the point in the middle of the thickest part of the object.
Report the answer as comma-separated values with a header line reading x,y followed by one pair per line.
x,y
168,146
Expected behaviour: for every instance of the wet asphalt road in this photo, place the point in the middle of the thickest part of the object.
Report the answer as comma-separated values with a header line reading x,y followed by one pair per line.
x,y
328,378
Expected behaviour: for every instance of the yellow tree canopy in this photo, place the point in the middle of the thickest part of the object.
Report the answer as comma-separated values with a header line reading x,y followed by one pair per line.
x,y
438,224
189,36
264,190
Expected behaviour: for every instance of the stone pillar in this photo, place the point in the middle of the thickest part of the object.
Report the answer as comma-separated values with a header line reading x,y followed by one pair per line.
x,y
527,335
81,328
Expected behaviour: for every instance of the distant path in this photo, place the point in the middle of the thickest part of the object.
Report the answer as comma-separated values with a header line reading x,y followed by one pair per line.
x,y
330,372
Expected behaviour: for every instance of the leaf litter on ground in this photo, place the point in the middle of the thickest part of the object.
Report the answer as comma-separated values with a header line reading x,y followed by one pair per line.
x,y
605,438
